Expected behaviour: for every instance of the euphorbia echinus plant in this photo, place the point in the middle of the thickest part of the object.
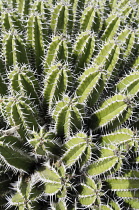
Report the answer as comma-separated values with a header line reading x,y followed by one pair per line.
x,y
69,104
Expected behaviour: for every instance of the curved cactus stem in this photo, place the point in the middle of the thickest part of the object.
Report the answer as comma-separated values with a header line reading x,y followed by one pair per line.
x,y
83,49
56,83
35,39
59,49
118,137
123,184
81,144
11,19
102,166
9,137
52,52
123,9
128,194
91,85
27,193
19,111
23,80
14,50
87,192
87,197
58,19
89,20
123,36
6,20
105,57
53,179
61,18
129,85
23,7
131,45
77,7
113,112
109,160
114,63
12,157
68,114
112,28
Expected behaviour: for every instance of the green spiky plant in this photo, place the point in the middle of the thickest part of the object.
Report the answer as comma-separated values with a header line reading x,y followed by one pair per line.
x,y
69,104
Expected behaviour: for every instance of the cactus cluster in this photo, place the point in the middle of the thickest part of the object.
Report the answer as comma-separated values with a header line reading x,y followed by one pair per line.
x,y
69,104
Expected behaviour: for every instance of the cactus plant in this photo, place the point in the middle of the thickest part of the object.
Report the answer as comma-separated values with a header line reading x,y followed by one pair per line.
x,y
69,104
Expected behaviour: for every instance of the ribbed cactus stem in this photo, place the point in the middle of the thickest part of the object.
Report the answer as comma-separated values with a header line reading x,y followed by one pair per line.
x,y
69,104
